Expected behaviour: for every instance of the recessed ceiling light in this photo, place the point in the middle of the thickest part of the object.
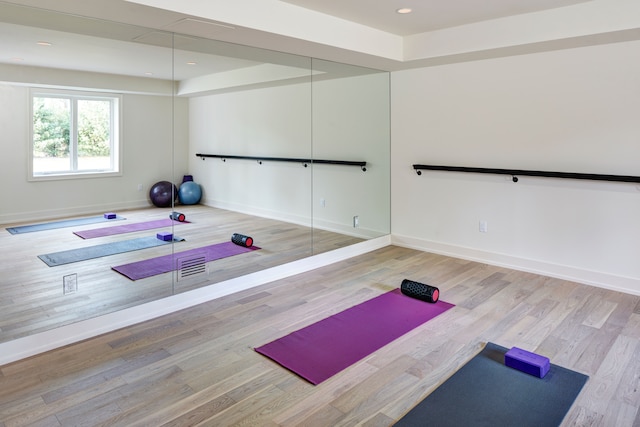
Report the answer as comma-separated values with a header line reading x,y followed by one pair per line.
x,y
148,73
404,10
41,43
191,63
16,59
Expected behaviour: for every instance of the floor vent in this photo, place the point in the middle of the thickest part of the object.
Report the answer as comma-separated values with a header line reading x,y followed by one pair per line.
x,y
191,266
70,284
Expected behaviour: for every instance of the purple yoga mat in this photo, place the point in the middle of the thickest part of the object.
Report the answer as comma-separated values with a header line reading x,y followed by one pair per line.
x,y
166,263
325,348
126,228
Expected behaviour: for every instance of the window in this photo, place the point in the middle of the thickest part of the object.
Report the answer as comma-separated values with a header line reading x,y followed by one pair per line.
x,y
74,134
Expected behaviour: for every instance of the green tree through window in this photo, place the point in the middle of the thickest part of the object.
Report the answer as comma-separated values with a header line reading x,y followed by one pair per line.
x,y
93,128
51,127
74,133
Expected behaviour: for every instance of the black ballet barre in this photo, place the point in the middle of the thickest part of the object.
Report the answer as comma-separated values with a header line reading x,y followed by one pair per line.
x,y
305,162
519,172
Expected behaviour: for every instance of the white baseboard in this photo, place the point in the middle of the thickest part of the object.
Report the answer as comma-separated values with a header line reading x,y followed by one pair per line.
x,y
348,230
599,279
305,221
44,341
259,212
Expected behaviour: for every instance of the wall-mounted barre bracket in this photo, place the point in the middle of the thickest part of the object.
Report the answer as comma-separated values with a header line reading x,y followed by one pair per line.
x,y
520,172
305,162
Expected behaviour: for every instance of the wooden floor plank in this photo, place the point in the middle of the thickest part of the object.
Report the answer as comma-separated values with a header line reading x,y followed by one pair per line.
x,y
198,366
33,300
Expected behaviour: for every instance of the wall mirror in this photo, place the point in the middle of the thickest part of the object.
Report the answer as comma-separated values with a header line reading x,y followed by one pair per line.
x,y
288,150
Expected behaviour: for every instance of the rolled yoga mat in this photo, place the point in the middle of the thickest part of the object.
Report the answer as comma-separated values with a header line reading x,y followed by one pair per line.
x,y
420,291
325,348
164,264
61,224
242,240
126,228
106,249
178,216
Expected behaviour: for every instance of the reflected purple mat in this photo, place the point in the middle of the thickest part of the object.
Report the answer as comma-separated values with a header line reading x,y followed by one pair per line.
x,y
126,228
166,263
325,348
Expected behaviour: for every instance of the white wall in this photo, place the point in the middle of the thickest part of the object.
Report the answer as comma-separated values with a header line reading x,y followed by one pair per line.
x,y
270,122
147,148
339,119
351,122
571,111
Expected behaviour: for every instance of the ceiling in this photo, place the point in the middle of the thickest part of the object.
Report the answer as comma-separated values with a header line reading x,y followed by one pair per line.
x,y
361,32
426,15
75,42
169,47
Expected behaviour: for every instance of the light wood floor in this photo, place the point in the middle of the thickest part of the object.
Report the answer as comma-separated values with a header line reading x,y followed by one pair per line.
x,y
32,298
198,366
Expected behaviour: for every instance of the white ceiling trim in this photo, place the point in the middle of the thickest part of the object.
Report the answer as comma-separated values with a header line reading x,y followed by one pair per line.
x,y
280,26
276,17
562,24
549,29
426,15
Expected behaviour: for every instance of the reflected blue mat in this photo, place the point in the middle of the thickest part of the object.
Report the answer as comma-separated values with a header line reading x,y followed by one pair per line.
x,y
60,224
106,249
485,392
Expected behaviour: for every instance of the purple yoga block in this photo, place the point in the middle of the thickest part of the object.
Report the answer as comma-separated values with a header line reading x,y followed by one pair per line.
x,y
525,361
167,237
110,215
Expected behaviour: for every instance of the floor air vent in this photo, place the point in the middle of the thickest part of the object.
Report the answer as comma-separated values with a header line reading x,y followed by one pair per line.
x,y
191,266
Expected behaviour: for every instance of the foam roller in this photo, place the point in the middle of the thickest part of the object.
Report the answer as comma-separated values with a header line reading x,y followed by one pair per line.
x,y
420,291
177,216
242,240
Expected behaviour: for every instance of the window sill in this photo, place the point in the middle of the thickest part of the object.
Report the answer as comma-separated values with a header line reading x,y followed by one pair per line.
x,y
75,175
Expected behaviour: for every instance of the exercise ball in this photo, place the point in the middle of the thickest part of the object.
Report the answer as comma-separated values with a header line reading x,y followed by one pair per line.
x,y
189,193
163,193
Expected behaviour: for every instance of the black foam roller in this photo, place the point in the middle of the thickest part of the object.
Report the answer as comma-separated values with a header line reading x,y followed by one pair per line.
x,y
177,216
420,291
242,240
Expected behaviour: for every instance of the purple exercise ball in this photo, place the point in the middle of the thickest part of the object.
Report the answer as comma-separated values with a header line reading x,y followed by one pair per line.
x,y
163,193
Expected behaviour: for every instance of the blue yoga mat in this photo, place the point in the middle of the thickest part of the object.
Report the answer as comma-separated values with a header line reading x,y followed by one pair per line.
x,y
60,224
106,249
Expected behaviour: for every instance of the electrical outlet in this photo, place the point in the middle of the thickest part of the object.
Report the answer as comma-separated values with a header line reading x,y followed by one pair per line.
x,y
356,221
140,187
483,226
70,283
323,202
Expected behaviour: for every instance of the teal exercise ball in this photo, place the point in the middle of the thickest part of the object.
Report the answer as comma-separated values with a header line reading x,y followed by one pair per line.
x,y
189,193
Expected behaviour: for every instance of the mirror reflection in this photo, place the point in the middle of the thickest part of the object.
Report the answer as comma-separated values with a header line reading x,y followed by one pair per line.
x,y
140,163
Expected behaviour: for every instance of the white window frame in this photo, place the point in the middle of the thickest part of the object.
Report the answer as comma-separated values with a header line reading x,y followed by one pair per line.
x,y
115,134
